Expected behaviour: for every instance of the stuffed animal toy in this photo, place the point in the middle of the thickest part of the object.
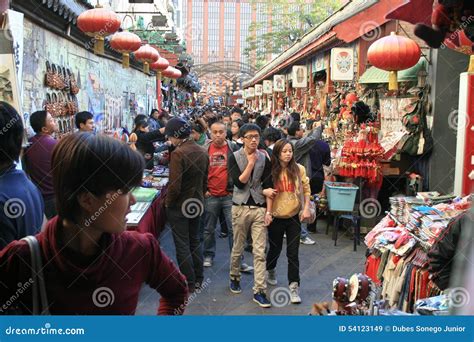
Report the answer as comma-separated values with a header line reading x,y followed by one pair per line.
x,y
447,17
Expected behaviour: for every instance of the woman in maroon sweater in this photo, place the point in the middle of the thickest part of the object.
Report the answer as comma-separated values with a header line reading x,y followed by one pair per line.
x,y
91,264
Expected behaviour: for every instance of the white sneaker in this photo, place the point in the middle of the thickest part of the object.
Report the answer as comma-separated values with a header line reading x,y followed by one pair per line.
x,y
207,262
244,268
307,241
271,277
294,291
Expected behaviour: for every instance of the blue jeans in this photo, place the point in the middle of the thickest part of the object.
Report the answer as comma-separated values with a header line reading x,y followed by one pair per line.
x,y
214,206
304,230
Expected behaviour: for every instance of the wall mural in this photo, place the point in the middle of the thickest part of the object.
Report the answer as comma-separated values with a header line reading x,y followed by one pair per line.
x,y
105,88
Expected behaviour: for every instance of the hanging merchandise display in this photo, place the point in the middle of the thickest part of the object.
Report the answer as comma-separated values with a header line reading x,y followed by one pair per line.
x,y
361,156
125,43
394,53
400,245
98,23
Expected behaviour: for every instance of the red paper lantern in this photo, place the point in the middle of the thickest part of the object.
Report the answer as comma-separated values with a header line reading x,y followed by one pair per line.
x,y
351,98
168,72
147,55
160,65
394,53
177,73
98,23
125,43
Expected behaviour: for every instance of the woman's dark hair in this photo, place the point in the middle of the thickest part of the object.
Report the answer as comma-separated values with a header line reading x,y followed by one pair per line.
x,y
294,127
83,162
11,134
82,117
362,113
262,121
196,126
272,134
153,111
140,124
295,116
292,168
239,122
38,120
247,128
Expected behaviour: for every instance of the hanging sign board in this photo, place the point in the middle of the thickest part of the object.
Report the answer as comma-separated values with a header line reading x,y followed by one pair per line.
x,y
299,76
279,83
342,64
267,87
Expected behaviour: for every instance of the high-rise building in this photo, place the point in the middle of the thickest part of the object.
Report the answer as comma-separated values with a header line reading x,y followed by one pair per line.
x,y
217,31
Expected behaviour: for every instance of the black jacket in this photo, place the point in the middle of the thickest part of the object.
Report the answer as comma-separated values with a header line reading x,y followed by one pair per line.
x,y
441,255
145,141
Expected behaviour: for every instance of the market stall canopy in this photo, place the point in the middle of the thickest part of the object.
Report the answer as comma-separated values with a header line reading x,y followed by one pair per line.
x,y
376,75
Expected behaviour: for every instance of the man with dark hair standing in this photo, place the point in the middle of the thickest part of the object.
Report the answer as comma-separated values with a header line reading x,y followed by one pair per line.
x,y
236,114
184,202
38,157
270,136
21,205
84,122
250,170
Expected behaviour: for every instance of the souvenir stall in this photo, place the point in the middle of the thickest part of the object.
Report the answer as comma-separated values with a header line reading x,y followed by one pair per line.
x,y
397,274
367,136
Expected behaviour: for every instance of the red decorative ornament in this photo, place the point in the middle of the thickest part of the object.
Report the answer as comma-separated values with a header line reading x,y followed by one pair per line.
x,y
147,55
125,43
177,73
169,72
459,42
394,53
351,98
98,23
160,65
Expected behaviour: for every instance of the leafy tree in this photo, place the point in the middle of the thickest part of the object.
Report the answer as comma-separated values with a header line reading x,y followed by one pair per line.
x,y
289,22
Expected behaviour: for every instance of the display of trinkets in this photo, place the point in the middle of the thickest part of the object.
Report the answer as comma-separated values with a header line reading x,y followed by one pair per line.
x,y
61,104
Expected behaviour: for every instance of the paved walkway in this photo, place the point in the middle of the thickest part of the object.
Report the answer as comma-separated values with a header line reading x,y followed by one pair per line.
x,y
319,265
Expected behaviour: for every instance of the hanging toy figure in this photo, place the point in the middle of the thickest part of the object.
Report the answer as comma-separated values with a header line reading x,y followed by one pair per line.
x,y
449,18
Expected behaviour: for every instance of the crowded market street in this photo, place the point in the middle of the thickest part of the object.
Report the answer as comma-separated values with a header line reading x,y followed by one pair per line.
x,y
247,158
